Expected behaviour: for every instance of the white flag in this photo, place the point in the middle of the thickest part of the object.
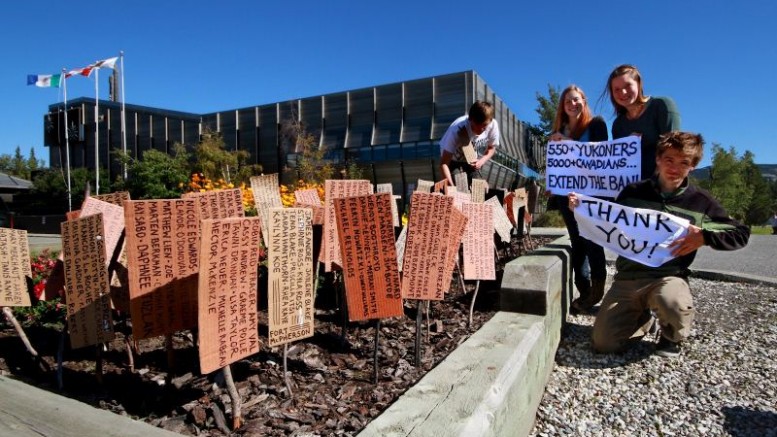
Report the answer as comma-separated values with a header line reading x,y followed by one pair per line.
x,y
106,63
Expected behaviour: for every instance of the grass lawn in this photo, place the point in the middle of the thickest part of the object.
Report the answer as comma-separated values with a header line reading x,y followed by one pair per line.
x,y
761,230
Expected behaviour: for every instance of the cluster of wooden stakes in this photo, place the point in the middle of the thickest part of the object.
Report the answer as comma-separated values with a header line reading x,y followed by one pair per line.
x,y
192,264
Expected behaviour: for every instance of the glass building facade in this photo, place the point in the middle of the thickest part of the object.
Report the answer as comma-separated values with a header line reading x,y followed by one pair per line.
x,y
390,131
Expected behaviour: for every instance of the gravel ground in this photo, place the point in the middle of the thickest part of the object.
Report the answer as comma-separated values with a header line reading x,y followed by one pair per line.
x,y
723,383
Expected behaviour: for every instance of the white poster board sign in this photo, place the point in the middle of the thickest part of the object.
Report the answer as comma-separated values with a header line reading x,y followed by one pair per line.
x,y
594,168
641,235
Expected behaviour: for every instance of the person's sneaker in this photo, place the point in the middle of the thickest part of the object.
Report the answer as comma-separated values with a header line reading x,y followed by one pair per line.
x,y
667,348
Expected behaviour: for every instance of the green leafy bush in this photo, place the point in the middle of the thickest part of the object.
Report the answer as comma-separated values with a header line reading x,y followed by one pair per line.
x,y
551,219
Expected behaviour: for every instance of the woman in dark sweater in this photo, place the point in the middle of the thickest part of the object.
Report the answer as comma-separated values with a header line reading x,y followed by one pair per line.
x,y
574,122
637,114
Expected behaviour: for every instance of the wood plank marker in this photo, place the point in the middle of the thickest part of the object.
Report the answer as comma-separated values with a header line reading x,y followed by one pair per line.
x,y
478,246
290,266
15,269
370,270
336,189
227,291
267,194
425,253
163,243
218,204
89,318
479,190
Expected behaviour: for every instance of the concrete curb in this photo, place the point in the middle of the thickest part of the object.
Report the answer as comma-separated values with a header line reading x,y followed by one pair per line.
x,y
721,275
493,383
27,411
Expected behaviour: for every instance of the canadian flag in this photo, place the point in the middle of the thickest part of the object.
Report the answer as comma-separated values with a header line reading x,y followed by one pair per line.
x,y
87,71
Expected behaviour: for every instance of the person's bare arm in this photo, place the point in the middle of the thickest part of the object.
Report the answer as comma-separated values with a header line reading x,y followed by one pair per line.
x,y
445,159
483,159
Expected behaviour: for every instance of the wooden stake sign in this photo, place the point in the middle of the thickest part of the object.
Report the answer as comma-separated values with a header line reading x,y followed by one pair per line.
x,y
15,269
469,153
119,278
267,194
479,190
389,188
72,215
457,227
113,221
163,240
369,256
290,266
227,296
460,198
424,186
89,317
400,246
462,183
118,198
309,198
218,204
336,189
502,224
426,246
479,242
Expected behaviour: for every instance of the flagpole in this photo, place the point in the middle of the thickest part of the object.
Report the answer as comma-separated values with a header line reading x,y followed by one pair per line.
x,y
123,116
67,146
97,130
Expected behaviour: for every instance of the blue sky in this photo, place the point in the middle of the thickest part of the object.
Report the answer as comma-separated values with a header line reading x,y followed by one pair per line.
x,y
711,56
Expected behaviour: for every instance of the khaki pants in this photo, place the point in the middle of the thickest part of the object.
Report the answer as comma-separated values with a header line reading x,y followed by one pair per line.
x,y
624,314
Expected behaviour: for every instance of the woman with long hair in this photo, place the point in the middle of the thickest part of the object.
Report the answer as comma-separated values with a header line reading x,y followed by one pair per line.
x,y
574,121
638,114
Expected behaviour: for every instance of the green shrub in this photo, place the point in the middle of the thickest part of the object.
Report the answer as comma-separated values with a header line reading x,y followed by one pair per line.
x,y
551,219
48,313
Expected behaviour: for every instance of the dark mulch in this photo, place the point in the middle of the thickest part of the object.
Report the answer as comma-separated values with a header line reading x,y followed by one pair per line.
x,y
331,375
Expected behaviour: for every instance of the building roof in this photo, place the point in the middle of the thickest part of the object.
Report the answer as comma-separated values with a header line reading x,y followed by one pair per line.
x,y
8,182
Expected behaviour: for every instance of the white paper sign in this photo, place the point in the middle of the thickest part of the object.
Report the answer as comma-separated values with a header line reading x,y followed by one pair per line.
x,y
594,168
641,235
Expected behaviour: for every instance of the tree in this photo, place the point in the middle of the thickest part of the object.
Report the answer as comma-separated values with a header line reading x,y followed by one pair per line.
x,y
33,163
49,190
546,109
762,201
311,165
215,162
5,163
727,181
158,175
19,166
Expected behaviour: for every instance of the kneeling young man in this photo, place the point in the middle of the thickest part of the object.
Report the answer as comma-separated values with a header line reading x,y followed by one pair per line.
x,y
639,291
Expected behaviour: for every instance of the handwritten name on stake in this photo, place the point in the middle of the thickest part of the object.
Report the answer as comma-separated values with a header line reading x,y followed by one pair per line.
x,y
641,235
